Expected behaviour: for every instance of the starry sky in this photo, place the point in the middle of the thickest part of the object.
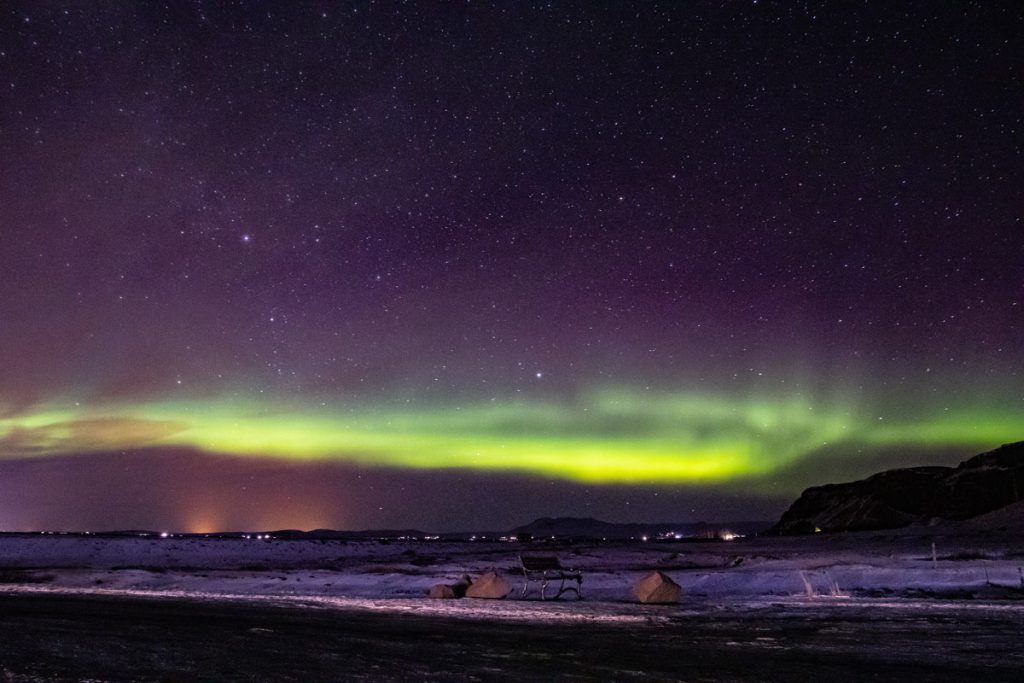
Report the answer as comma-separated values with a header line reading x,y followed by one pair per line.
x,y
460,265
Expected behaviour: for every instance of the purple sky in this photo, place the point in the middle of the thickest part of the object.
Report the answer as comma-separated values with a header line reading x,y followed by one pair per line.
x,y
408,208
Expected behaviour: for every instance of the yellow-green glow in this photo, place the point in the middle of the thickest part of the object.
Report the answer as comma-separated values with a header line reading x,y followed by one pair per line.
x,y
619,436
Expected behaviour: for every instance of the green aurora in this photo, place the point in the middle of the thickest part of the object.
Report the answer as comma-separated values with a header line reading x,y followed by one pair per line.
x,y
617,436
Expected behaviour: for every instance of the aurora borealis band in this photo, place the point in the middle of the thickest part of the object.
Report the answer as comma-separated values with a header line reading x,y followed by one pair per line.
x,y
364,265
614,437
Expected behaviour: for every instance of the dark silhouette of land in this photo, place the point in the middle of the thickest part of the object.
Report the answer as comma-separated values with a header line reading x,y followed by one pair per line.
x,y
894,499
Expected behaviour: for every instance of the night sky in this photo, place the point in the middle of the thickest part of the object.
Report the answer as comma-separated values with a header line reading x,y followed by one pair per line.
x,y
460,265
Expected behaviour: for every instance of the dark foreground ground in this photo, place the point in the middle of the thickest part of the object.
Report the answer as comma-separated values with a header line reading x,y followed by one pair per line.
x,y
46,638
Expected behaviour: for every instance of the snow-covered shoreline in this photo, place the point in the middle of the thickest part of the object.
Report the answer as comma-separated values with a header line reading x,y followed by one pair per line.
x,y
860,567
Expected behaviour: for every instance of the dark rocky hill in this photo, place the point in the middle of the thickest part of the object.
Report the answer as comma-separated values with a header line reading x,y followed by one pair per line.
x,y
898,498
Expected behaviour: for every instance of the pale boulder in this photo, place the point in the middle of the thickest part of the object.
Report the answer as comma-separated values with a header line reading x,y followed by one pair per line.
x,y
489,586
442,592
657,589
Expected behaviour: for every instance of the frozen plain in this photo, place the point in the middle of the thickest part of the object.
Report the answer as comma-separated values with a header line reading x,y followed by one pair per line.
x,y
950,563
868,604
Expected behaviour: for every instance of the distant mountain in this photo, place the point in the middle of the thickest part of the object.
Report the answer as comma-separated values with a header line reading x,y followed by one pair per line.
x,y
543,528
588,527
331,534
898,498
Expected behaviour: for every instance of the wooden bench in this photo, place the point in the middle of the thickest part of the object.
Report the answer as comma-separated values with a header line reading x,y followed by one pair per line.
x,y
545,568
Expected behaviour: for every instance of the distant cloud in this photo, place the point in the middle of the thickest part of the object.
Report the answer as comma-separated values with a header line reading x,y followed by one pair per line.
x,y
85,435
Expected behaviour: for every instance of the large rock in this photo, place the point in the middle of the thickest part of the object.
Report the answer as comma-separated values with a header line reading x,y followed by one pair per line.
x,y
657,589
489,586
897,498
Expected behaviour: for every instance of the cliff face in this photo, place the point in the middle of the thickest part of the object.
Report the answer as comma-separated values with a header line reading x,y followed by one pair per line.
x,y
897,498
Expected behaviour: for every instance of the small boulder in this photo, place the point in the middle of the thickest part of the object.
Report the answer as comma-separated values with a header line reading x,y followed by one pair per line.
x,y
461,586
442,592
657,588
489,586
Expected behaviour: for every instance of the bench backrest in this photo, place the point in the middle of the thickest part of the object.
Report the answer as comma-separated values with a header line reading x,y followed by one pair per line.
x,y
540,563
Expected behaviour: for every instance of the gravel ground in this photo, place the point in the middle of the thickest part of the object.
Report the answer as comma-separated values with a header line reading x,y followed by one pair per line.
x,y
57,638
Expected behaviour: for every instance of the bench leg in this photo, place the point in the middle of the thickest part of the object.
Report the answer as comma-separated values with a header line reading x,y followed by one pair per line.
x,y
562,588
578,588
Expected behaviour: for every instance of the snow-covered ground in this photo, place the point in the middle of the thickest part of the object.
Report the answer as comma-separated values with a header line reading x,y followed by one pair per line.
x,y
881,569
